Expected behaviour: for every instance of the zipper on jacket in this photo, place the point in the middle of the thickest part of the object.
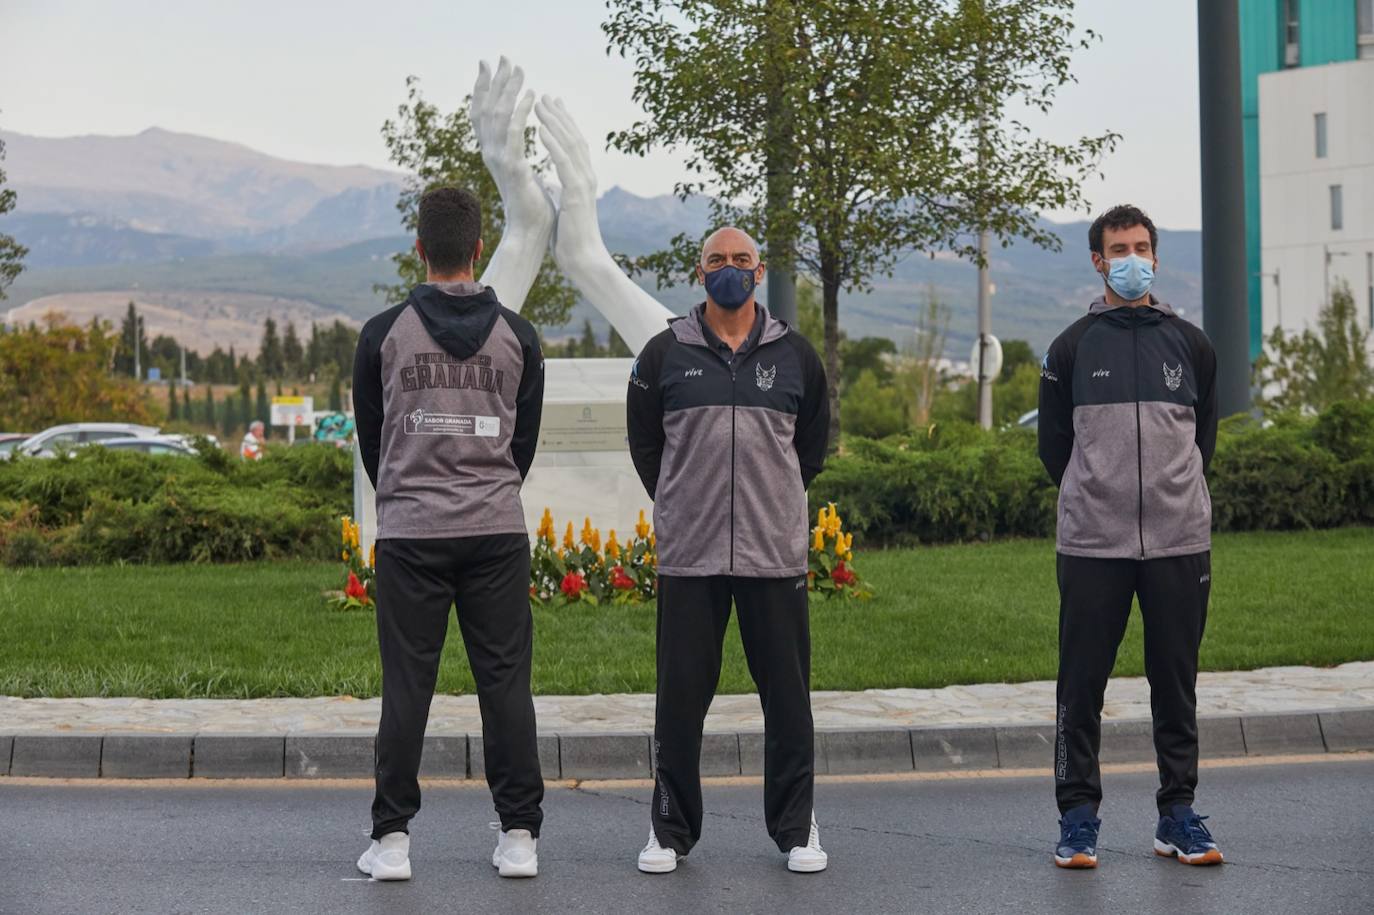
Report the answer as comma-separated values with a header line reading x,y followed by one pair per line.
x,y
733,398
1139,446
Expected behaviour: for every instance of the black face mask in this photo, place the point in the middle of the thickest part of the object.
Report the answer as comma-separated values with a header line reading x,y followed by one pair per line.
x,y
730,287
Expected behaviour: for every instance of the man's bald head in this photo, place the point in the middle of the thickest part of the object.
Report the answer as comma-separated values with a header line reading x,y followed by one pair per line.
x,y
729,245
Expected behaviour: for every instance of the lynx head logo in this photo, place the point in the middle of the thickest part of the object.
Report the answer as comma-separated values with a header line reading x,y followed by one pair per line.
x,y
1173,377
765,378
415,417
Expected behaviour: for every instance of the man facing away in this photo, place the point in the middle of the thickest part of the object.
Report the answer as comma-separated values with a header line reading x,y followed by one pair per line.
x,y
1128,424
727,418
447,389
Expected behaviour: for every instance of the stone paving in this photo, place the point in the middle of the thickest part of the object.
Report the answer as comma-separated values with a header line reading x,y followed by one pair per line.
x,y
1269,690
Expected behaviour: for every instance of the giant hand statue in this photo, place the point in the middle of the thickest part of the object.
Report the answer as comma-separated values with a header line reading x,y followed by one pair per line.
x,y
499,113
578,247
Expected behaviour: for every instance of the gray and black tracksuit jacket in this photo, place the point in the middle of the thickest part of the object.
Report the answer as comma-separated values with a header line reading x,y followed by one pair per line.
x,y
1128,424
726,444
447,389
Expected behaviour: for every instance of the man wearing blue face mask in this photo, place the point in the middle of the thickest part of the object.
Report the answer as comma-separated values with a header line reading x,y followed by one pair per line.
x,y
1128,424
727,420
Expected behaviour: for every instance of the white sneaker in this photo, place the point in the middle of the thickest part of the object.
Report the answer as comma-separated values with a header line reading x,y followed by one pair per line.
x,y
655,859
809,858
516,854
387,858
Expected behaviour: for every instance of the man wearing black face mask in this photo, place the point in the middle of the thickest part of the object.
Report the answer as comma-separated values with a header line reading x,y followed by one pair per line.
x,y
727,419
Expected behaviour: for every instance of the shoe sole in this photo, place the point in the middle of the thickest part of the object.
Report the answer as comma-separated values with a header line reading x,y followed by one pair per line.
x,y
515,870
807,868
666,867
382,872
1080,861
1211,856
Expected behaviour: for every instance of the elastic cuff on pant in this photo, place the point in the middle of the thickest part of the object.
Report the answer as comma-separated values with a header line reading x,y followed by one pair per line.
x,y
384,829
516,824
793,838
680,844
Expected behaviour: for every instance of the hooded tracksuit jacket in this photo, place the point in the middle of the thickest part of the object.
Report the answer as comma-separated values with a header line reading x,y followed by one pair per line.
x,y
1128,424
726,443
447,391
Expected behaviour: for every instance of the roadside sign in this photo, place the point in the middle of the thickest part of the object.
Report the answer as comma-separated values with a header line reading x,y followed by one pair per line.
x,y
292,411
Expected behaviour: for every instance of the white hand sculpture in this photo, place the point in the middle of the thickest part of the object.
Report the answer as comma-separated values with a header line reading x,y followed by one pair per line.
x,y
578,246
499,123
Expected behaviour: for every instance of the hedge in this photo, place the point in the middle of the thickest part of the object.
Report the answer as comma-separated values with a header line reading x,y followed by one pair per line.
x,y
962,483
103,505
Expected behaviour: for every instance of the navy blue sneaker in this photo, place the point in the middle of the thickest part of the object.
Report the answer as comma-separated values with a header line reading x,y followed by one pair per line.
x,y
1184,837
1078,838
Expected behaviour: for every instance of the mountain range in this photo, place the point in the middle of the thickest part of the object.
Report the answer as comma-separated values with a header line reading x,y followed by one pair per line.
x,y
161,215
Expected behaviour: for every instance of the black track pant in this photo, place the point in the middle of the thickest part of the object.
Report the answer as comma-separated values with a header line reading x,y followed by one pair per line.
x,y
776,631
488,578
1094,604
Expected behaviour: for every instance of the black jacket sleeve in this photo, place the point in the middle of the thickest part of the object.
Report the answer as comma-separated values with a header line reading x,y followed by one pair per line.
x,y
644,412
529,398
812,435
1205,370
367,396
1055,420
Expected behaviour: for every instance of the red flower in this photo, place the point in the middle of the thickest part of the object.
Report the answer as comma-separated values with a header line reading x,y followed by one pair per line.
x,y
573,584
620,580
842,575
355,588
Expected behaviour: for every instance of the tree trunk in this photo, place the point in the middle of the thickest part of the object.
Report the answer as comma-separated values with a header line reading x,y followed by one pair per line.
x,y
830,308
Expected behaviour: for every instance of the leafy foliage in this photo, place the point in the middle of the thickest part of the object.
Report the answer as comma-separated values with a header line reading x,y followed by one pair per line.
x,y
11,252
1311,370
60,373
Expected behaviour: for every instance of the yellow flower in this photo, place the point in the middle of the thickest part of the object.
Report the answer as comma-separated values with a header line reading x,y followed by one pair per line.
x,y
612,546
642,528
587,531
345,555
546,525
818,543
848,556
849,542
569,542
343,530
833,522
372,556
820,517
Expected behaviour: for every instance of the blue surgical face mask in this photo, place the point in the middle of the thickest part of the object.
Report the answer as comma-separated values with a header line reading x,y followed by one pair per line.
x,y
730,287
1131,276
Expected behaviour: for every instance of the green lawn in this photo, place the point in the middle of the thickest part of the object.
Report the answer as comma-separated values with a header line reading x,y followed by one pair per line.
x,y
955,614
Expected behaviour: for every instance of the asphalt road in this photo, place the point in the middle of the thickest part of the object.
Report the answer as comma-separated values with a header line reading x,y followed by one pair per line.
x,y
1299,837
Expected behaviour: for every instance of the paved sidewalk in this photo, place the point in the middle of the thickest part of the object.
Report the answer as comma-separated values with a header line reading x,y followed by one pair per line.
x,y
1264,691
1276,711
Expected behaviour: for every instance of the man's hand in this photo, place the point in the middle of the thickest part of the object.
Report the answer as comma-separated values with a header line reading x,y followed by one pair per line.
x,y
498,114
578,246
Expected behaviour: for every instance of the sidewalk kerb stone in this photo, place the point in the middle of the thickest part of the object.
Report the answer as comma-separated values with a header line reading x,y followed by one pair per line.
x,y
6,752
232,755
942,749
859,751
1267,735
1027,746
720,754
125,754
445,755
751,753
1218,738
341,754
1345,730
56,755
593,756
1127,741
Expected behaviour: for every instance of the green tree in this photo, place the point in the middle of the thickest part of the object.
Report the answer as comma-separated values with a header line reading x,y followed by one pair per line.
x,y
440,148
616,347
271,361
920,376
1311,370
11,252
587,347
209,417
60,373
895,120
245,401
131,335
1015,353
173,405
293,354
872,409
262,409
231,417
867,354
335,395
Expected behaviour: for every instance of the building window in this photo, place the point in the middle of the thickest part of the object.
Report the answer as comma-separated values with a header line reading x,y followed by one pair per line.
x,y
1366,28
1320,125
1336,219
1291,55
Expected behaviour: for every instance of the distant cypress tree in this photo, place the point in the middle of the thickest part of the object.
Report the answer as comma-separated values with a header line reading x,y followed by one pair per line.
x,y
263,410
231,417
209,417
245,402
173,407
336,395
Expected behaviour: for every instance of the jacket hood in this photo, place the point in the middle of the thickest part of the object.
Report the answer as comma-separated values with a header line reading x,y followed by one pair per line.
x,y
1100,305
458,323
688,328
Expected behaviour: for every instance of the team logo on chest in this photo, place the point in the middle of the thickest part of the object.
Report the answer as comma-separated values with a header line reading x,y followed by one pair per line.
x,y
765,378
1173,377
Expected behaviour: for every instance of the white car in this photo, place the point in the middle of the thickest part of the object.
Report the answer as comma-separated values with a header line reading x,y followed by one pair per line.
x,y
67,438
162,444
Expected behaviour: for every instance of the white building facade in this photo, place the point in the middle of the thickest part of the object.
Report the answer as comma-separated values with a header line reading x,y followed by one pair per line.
x,y
1316,129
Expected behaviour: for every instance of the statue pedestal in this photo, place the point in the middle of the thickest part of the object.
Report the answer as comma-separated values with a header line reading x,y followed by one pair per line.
x,y
582,468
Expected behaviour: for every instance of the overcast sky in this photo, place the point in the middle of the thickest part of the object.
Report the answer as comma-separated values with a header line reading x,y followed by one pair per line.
x,y
314,81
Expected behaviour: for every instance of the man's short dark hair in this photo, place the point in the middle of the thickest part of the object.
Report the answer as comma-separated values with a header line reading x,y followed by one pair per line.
x,y
449,225
1121,217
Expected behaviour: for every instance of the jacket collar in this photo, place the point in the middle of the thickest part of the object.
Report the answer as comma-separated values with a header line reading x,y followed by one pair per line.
x,y
691,329
1101,305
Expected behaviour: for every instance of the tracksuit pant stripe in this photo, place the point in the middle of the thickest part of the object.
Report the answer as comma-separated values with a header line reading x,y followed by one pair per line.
x,y
775,629
1095,603
488,579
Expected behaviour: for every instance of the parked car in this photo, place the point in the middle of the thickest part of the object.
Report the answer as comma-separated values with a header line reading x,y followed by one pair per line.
x,y
69,437
163,444
1029,420
11,440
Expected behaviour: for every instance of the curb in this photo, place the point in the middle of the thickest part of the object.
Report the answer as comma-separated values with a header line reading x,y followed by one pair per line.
x,y
307,755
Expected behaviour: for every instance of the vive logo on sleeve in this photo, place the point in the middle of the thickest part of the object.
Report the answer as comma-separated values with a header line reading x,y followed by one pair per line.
x,y
421,422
